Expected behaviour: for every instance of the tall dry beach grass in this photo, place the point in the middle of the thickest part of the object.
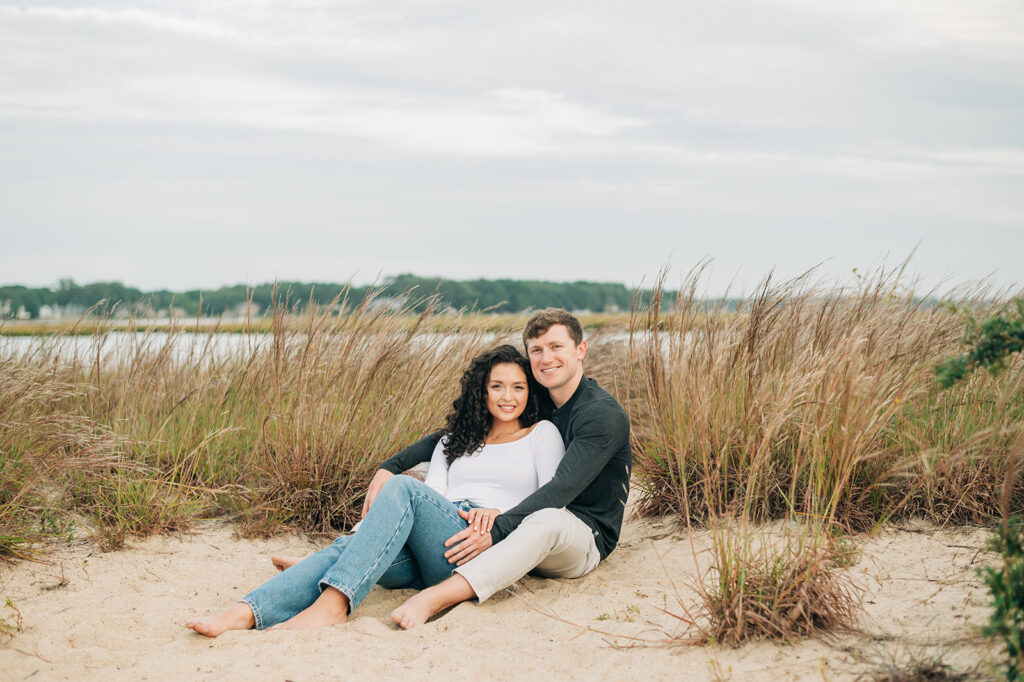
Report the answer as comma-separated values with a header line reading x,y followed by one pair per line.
x,y
283,429
822,403
818,406
812,406
46,455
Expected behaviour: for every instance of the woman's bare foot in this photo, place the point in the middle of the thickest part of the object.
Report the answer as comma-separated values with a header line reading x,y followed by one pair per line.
x,y
238,617
283,562
330,608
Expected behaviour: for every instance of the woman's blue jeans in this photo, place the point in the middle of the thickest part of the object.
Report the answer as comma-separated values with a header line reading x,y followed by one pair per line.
x,y
400,544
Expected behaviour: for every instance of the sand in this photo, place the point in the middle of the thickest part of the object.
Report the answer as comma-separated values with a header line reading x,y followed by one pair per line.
x,y
118,615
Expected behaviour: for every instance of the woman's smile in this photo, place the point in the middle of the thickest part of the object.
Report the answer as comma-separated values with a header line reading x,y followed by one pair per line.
x,y
507,391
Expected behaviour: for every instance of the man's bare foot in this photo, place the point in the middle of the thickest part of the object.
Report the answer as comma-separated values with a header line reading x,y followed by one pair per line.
x,y
416,610
330,608
238,617
423,606
283,562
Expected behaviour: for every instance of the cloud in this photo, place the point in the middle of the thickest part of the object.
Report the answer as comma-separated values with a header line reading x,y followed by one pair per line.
x,y
988,29
124,18
497,123
215,85
722,127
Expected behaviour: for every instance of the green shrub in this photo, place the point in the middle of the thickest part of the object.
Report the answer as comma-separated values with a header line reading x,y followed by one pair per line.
x,y
991,342
1006,585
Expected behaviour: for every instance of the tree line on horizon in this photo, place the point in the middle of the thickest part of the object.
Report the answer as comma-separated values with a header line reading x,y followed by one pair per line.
x,y
69,299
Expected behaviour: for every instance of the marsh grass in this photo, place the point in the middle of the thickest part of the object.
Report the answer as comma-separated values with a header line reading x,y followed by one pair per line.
x,y
280,429
810,404
820,403
43,451
120,504
817,406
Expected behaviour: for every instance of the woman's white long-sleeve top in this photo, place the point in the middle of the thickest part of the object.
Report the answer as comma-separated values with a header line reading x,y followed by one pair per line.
x,y
500,475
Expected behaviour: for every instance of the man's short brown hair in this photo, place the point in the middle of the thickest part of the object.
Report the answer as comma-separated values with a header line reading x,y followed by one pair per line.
x,y
543,320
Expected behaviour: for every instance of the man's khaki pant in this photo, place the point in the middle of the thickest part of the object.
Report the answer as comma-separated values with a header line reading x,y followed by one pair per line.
x,y
551,542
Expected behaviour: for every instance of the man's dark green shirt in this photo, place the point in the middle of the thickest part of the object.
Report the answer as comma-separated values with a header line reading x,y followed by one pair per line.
x,y
592,481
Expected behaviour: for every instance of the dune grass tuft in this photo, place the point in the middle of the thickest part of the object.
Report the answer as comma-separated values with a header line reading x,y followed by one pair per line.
x,y
766,585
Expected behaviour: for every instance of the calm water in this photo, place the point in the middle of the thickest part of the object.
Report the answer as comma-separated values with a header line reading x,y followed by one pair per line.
x,y
183,345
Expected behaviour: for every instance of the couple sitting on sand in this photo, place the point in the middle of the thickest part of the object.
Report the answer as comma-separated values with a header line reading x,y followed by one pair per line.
x,y
507,493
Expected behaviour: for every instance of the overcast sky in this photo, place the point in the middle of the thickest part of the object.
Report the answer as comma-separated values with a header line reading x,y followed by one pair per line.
x,y
185,144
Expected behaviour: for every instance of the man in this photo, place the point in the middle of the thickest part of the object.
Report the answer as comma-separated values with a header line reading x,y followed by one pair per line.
x,y
568,525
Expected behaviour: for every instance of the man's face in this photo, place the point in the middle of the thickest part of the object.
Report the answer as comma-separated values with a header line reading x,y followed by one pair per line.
x,y
555,358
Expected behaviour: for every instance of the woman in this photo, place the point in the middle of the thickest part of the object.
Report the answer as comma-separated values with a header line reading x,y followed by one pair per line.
x,y
493,454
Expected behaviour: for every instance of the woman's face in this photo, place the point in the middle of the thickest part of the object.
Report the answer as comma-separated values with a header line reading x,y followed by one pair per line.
x,y
506,392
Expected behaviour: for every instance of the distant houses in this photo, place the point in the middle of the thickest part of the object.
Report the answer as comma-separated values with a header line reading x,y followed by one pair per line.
x,y
59,312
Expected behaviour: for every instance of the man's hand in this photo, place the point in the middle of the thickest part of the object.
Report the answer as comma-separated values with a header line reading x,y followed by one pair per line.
x,y
376,483
466,544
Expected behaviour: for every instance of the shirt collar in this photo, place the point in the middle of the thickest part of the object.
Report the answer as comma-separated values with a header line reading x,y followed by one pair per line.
x,y
584,380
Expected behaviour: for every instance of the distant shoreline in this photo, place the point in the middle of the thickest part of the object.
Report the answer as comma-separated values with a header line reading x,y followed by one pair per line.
x,y
87,327
264,325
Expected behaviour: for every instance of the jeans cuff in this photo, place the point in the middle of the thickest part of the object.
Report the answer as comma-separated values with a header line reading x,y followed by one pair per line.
x,y
324,582
255,612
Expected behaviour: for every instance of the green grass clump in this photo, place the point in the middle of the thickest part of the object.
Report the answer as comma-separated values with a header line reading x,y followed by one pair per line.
x,y
124,503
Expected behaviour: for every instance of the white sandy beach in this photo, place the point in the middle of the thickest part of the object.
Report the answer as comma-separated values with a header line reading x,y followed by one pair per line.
x,y
91,615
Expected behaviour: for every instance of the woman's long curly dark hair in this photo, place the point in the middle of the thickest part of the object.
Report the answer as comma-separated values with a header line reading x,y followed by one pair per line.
x,y
469,421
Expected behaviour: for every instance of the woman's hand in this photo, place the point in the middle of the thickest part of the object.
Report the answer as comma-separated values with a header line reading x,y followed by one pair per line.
x,y
480,518
466,544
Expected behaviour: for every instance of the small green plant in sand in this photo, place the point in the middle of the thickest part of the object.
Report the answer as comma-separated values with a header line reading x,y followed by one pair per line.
x,y
10,621
627,614
1006,587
